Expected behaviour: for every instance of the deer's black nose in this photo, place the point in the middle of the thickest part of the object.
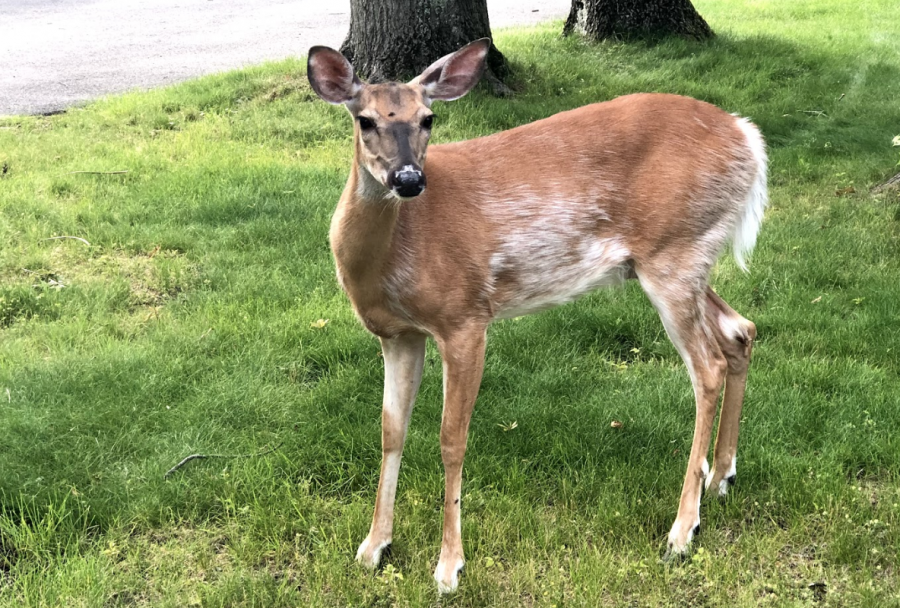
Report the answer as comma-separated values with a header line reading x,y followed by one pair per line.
x,y
408,181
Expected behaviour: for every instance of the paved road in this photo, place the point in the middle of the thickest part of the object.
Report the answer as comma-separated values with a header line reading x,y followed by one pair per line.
x,y
55,53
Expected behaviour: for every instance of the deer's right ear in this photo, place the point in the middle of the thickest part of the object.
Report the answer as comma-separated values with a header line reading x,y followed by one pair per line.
x,y
331,75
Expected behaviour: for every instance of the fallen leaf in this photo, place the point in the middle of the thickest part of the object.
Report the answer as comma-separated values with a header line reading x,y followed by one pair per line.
x,y
319,324
615,424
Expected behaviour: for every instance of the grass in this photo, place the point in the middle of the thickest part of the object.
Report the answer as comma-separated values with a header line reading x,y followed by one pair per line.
x,y
189,323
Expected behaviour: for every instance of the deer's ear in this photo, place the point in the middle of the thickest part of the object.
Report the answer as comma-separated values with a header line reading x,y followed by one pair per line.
x,y
454,75
331,75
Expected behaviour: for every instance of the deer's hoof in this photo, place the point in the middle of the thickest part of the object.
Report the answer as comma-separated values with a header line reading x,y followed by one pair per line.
x,y
369,552
722,481
447,574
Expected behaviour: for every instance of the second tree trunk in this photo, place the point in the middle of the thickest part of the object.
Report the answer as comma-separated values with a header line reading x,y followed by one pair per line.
x,y
601,19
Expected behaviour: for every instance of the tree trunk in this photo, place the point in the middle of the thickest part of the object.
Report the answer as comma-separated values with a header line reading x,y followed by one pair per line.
x,y
397,39
601,19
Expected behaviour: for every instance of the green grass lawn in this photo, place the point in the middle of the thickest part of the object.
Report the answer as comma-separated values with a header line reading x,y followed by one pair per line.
x,y
189,322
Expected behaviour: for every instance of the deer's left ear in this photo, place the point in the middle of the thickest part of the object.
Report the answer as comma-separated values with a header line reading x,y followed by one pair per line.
x,y
454,75
331,75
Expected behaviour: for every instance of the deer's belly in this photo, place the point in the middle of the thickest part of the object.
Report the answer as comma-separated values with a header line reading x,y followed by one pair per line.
x,y
542,276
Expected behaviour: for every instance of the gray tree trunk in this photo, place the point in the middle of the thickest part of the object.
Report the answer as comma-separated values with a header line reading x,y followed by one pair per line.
x,y
397,39
601,19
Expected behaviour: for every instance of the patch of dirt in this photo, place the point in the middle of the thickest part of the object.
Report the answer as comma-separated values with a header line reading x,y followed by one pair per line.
x,y
152,277
133,282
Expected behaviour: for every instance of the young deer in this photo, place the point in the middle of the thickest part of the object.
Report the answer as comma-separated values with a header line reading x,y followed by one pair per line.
x,y
647,187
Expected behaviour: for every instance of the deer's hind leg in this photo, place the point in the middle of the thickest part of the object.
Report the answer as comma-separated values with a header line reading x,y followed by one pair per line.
x,y
735,336
682,306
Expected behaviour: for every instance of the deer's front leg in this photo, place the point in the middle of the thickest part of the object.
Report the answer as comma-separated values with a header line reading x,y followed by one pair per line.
x,y
403,360
463,355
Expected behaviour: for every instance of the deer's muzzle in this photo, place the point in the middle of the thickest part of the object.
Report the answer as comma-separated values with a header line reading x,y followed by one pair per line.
x,y
408,181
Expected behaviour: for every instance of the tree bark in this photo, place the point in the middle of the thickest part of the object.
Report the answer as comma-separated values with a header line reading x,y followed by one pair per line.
x,y
397,39
602,19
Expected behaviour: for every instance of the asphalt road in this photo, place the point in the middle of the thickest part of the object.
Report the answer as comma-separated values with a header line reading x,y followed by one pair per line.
x,y
56,53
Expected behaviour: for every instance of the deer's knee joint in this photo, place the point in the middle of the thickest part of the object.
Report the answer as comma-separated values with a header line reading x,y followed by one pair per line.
x,y
452,455
391,448
393,437
750,328
745,332
737,345
745,339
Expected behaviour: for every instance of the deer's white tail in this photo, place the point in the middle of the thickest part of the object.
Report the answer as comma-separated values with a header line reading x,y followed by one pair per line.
x,y
747,227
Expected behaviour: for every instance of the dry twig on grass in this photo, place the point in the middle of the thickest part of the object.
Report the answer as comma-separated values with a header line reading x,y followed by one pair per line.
x,y
187,459
76,238
97,172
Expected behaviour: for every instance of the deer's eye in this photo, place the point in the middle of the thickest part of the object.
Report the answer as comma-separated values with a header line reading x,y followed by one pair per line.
x,y
427,121
366,124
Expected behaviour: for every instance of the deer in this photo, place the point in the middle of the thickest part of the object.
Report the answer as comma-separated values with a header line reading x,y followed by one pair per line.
x,y
441,241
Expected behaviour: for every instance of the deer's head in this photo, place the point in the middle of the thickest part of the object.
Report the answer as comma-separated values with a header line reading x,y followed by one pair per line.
x,y
393,120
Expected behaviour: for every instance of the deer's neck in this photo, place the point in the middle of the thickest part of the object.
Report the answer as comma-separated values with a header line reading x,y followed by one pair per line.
x,y
362,233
